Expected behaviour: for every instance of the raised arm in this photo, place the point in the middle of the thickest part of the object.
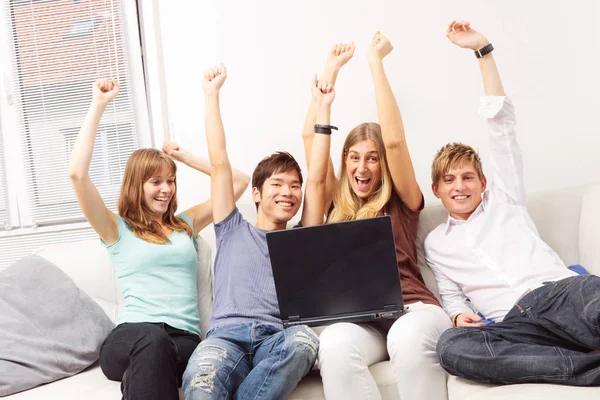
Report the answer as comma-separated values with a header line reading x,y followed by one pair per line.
x,y
201,214
102,220
392,128
337,57
507,160
461,34
313,211
221,179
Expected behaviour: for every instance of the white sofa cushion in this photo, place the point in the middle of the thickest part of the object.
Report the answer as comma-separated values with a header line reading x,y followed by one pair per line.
x,y
556,214
90,384
589,234
205,284
88,264
462,389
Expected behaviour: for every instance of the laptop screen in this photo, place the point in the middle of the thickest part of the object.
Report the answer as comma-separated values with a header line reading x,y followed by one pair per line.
x,y
333,269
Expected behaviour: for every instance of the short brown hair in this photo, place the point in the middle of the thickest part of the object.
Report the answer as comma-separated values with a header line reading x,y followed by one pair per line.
x,y
453,155
280,161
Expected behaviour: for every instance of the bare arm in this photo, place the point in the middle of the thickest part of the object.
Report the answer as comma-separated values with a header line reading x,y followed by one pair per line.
x,y
314,209
102,220
221,178
461,34
392,128
338,56
201,214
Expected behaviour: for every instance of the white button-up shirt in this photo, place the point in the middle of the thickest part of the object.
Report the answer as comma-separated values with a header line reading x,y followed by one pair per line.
x,y
488,261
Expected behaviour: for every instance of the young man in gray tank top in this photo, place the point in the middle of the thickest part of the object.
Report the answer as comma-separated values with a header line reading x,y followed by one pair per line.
x,y
247,353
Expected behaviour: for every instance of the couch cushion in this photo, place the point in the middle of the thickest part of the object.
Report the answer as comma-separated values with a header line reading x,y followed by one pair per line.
x,y
589,250
88,264
49,329
90,384
556,214
205,284
430,218
466,390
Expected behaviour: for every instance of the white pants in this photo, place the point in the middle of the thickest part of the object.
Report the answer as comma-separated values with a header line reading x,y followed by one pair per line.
x,y
347,350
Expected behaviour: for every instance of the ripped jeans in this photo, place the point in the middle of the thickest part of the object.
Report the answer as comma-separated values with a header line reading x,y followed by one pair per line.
x,y
249,361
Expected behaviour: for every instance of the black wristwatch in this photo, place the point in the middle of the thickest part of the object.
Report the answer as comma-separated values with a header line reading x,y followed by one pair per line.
x,y
484,50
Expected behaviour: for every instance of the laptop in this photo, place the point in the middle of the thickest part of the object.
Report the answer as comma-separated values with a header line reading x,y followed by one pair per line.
x,y
339,272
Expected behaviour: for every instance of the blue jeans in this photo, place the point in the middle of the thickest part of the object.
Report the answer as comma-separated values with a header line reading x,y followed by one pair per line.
x,y
548,336
249,361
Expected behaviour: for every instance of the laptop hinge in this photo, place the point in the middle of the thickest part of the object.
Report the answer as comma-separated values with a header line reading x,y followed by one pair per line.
x,y
294,318
390,308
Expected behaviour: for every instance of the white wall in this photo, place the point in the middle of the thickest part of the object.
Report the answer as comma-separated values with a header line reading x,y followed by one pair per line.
x,y
548,52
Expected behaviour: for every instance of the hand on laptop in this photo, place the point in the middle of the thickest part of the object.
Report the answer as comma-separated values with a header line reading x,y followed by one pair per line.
x,y
469,319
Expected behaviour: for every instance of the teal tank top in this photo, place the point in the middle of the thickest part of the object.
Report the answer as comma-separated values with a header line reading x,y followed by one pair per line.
x,y
158,280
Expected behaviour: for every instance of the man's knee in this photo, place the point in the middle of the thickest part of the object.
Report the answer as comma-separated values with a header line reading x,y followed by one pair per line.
x,y
452,343
304,342
202,377
203,366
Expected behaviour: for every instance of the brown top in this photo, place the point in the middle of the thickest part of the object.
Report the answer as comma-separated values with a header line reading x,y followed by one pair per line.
x,y
405,223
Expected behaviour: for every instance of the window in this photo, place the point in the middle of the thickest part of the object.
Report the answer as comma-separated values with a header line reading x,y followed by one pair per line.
x,y
52,51
3,201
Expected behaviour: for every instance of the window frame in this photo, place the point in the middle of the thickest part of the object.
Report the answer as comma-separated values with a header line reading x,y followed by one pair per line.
x,y
19,213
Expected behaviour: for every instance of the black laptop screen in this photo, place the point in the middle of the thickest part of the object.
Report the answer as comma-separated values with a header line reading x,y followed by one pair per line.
x,y
334,269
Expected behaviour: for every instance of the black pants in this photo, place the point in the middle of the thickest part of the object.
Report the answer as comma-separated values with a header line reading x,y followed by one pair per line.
x,y
148,359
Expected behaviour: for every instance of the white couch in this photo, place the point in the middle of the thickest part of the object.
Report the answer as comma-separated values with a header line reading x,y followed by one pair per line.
x,y
568,219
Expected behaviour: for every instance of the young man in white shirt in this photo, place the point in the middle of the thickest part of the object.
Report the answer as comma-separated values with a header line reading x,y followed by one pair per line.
x,y
488,257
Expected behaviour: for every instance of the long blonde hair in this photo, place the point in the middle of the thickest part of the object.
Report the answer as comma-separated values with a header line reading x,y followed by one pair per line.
x,y
141,166
347,206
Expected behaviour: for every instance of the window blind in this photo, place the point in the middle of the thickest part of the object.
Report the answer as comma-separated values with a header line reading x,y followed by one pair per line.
x,y
58,48
3,195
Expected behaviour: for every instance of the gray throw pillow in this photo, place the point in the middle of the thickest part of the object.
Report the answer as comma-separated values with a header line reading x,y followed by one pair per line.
x,y
49,329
